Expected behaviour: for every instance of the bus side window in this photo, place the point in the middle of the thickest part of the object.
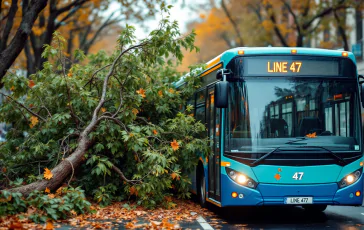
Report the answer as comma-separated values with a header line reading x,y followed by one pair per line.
x,y
201,108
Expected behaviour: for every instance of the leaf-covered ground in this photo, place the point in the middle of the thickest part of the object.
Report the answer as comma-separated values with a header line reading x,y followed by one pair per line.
x,y
128,215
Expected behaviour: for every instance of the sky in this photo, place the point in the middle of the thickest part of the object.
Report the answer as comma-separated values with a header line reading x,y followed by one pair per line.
x,y
181,12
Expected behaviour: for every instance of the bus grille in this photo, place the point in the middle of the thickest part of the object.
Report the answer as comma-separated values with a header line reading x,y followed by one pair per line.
x,y
294,158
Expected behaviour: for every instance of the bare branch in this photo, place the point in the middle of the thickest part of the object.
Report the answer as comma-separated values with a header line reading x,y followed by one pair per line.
x,y
233,23
121,174
289,8
23,106
69,6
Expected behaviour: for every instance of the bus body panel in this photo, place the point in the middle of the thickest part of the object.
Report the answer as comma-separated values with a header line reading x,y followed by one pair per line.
x,y
230,54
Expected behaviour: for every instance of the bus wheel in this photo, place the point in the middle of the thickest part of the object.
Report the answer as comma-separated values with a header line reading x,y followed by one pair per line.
x,y
201,189
315,208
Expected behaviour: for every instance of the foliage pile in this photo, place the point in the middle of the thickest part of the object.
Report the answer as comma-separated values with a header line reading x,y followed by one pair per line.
x,y
121,215
40,206
117,126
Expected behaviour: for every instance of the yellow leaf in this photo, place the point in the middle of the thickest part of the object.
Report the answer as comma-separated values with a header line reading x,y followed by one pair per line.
x,y
171,90
12,88
47,190
47,174
34,121
141,92
174,145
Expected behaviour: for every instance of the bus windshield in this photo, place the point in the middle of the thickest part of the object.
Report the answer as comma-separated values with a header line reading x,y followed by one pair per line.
x,y
266,113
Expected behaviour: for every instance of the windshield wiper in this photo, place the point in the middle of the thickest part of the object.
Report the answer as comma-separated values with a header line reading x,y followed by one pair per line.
x,y
337,157
265,156
297,140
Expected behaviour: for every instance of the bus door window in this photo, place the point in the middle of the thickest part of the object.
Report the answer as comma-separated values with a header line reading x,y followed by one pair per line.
x,y
211,124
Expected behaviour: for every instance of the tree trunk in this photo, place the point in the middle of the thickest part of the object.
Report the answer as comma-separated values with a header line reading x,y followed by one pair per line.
x,y
8,56
60,172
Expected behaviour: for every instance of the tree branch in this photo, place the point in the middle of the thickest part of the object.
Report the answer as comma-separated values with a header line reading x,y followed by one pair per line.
x,y
24,107
324,12
8,56
233,23
121,174
9,24
69,6
289,8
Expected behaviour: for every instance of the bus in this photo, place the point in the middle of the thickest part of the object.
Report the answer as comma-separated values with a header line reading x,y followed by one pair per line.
x,y
284,126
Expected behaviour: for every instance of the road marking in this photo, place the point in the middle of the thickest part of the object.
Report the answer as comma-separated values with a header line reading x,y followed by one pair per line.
x,y
203,223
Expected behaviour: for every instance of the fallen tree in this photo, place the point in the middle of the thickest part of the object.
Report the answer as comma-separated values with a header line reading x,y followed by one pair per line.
x,y
116,115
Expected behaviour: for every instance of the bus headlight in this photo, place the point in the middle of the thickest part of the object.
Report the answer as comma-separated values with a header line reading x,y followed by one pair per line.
x,y
240,178
350,179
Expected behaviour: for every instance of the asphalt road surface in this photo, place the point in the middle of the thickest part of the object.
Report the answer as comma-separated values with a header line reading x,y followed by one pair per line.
x,y
335,217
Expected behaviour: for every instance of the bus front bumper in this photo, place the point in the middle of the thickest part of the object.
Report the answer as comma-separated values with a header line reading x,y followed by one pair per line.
x,y
275,194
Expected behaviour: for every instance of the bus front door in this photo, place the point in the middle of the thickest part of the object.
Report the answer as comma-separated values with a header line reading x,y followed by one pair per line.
x,y
213,122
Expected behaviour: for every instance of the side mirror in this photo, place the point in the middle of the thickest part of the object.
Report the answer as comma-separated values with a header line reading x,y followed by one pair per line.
x,y
220,72
362,94
361,77
221,94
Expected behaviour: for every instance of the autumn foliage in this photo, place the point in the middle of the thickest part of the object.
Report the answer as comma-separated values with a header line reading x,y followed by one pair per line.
x,y
117,126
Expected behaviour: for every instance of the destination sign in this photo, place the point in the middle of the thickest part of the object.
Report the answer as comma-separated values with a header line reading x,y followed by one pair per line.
x,y
266,66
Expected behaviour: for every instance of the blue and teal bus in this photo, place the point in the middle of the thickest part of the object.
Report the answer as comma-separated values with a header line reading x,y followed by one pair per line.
x,y
285,128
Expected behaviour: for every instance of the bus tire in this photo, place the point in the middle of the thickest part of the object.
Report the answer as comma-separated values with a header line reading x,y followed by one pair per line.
x,y
315,208
201,187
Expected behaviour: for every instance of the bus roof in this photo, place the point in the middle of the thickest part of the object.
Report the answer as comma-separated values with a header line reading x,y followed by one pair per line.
x,y
226,56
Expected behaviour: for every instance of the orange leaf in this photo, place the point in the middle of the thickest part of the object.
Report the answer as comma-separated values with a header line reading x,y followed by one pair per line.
x,y
129,225
103,110
174,145
12,88
49,225
69,74
4,170
141,92
160,93
16,225
311,135
51,195
135,111
155,132
47,190
133,191
47,174
31,83
174,175
171,90
277,176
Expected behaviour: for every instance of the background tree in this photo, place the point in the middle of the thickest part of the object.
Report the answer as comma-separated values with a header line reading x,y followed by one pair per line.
x,y
11,46
232,23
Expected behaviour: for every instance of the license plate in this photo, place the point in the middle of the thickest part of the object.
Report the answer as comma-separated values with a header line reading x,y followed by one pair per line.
x,y
298,200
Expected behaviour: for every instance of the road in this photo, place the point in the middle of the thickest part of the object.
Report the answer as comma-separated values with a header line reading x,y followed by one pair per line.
x,y
335,217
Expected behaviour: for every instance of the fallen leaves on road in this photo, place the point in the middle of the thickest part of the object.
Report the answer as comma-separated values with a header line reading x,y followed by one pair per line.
x,y
119,215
